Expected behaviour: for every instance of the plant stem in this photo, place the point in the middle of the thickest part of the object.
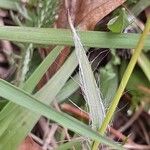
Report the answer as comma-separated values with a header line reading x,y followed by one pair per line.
x,y
123,83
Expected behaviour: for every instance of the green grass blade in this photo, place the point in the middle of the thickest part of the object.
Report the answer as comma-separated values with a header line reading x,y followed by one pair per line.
x,y
29,119
54,85
144,63
42,68
9,4
107,78
108,82
69,88
88,83
140,6
88,38
17,123
14,118
22,98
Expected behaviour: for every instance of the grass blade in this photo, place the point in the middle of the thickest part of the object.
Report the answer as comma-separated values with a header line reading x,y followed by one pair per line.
x,y
140,6
11,113
42,68
9,4
144,63
88,83
89,38
29,119
22,98
69,88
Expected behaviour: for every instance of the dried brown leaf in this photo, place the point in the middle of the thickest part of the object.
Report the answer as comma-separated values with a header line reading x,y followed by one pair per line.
x,y
85,14
92,11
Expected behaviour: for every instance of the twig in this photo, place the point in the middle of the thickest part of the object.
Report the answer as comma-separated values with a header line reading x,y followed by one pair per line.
x,y
49,137
137,147
39,141
76,112
44,125
65,129
132,120
147,136
119,135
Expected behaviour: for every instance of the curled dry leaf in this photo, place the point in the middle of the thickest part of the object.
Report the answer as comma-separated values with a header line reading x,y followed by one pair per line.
x,y
92,11
29,144
85,15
